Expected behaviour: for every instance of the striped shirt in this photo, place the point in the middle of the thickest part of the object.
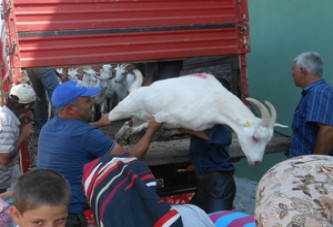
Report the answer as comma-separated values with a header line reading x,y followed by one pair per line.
x,y
315,106
9,133
121,191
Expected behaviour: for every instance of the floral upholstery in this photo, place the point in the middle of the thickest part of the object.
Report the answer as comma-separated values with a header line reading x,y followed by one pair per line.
x,y
5,218
296,192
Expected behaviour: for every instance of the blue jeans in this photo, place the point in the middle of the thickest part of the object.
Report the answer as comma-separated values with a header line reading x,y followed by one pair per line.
x,y
44,82
215,192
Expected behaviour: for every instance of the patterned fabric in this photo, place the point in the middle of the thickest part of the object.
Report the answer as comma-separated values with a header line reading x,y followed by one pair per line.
x,y
230,218
121,192
5,218
316,106
297,192
9,133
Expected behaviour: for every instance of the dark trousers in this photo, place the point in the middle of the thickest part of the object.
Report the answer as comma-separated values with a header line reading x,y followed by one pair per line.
x,y
215,191
161,70
44,82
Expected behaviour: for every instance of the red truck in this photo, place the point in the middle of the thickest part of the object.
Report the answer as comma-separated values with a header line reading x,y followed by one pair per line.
x,y
78,32
204,34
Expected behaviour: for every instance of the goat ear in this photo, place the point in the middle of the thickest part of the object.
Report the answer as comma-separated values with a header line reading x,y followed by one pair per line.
x,y
280,125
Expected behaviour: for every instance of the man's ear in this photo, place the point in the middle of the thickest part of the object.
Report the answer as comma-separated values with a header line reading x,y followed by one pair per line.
x,y
16,215
303,70
69,109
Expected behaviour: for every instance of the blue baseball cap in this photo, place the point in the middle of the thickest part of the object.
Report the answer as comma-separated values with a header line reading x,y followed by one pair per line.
x,y
68,91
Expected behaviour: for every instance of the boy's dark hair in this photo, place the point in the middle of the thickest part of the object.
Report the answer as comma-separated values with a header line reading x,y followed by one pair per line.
x,y
40,187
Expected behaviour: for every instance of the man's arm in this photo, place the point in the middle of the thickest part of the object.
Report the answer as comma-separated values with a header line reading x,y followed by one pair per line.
x,y
6,158
139,150
324,142
199,134
103,121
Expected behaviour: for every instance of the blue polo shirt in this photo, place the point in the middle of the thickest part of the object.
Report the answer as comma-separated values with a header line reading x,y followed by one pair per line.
x,y
212,156
66,146
315,106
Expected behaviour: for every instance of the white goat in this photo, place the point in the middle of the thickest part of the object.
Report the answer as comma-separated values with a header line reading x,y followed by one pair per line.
x,y
73,74
126,80
107,94
90,78
199,101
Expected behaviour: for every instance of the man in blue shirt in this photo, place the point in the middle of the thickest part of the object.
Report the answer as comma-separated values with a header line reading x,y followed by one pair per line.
x,y
67,142
312,127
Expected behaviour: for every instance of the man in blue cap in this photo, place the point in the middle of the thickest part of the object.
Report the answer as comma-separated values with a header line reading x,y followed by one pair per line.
x,y
67,142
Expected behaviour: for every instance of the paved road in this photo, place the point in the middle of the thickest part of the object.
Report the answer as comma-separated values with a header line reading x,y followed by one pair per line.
x,y
245,195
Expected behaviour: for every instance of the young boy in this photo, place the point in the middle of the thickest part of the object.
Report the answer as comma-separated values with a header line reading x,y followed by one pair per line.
x,y
41,198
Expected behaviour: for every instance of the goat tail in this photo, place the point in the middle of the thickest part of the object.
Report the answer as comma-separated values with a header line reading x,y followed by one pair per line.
x,y
138,80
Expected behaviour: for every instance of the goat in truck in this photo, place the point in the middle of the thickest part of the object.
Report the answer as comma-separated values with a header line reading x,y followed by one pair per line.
x,y
197,102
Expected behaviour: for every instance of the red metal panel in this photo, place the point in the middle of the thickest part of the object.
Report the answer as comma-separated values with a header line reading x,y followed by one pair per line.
x,y
163,29
125,47
52,15
5,79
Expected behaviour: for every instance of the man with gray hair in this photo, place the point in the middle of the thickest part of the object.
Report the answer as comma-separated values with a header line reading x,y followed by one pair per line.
x,y
312,127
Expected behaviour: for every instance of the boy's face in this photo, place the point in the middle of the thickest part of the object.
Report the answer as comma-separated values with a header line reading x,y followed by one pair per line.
x,y
43,216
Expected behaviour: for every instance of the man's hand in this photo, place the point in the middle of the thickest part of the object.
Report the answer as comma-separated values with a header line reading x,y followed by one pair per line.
x,y
103,121
26,131
140,148
27,117
153,125
6,195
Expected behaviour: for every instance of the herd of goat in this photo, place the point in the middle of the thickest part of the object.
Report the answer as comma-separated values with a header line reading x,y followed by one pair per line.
x,y
116,81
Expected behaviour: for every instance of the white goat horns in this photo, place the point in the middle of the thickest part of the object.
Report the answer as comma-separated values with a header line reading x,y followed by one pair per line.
x,y
267,119
273,113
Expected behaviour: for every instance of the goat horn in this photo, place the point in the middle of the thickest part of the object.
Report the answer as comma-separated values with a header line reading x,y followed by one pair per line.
x,y
123,66
263,110
273,113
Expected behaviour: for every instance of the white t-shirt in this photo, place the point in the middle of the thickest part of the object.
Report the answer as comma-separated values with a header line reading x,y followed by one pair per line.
x,y
193,216
9,134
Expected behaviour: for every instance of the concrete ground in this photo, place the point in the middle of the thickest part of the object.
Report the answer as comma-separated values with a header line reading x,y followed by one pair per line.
x,y
245,195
